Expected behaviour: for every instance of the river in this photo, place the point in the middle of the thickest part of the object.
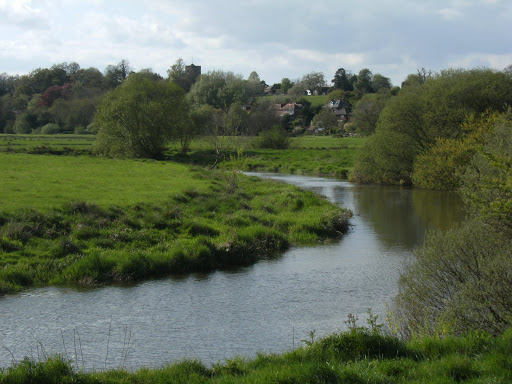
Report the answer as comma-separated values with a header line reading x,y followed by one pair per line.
x,y
269,307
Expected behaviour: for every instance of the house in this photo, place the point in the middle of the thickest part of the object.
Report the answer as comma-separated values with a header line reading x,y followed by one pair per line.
x,y
290,109
341,109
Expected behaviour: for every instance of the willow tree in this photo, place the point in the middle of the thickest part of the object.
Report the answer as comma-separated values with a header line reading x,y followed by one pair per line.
x,y
140,118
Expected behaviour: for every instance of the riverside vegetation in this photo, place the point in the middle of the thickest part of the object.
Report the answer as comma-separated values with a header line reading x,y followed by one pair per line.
x,y
359,355
95,220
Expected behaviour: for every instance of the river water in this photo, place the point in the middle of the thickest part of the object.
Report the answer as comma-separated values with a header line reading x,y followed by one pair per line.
x,y
269,307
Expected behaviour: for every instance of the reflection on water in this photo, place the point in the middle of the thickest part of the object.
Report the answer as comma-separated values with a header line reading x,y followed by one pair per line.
x,y
402,215
267,307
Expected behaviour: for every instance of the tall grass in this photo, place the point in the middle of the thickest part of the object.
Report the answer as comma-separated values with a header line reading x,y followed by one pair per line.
x,y
356,356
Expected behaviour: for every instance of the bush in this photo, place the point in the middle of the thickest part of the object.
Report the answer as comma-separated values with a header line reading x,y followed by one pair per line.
x,y
276,138
460,282
51,129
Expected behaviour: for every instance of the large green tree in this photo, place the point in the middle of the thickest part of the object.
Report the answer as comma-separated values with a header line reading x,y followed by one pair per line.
x,y
341,80
286,84
413,120
116,74
364,81
219,89
367,112
140,117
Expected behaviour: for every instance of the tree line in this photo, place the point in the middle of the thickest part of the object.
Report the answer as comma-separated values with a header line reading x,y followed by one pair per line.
x,y
65,97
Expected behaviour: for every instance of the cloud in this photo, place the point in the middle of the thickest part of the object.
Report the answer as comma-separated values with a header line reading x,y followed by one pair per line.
x,y
276,39
22,14
481,60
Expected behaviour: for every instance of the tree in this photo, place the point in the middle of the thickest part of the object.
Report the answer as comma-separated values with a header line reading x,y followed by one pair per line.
x,y
341,80
116,74
255,86
313,81
7,84
150,74
418,78
367,112
55,92
139,118
413,120
178,74
380,84
262,117
7,116
326,119
364,81
90,78
460,282
286,84
444,164
219,89
308,112
487,180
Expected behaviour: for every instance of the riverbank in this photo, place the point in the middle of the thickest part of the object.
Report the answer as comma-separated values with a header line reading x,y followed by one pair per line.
x,y
94,221
360,355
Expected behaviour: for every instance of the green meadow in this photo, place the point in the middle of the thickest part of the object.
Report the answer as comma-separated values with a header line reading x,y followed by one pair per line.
x,y
307,155
43,182
91,220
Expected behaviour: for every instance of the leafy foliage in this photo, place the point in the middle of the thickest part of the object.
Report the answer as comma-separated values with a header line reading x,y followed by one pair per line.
x,y
367,112
459,283
443,166
420,114
276,138
219,89
487,182
139,118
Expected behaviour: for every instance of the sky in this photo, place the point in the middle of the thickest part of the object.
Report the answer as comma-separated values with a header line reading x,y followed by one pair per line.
x,y
275,38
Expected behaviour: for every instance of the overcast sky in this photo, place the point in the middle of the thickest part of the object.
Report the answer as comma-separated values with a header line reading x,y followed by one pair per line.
x,y
274,38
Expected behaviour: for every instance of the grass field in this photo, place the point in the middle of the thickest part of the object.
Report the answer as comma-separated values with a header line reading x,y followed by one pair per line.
x,y
69,219
308,155
355,357
44,182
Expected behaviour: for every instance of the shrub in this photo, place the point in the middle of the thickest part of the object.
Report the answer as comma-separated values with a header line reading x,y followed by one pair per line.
x,y
51,129
275,138
460,282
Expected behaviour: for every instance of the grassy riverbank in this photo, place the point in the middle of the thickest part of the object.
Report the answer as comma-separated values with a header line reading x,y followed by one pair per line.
x,y
95,220
356,356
